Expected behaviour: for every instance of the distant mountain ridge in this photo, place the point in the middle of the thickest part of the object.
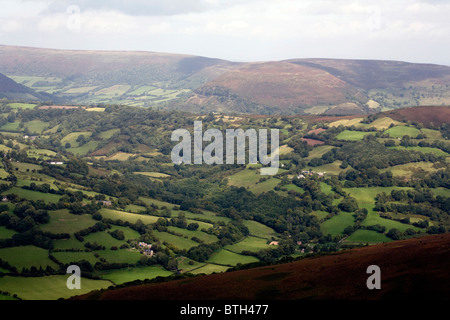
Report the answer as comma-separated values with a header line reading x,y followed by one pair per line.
x,y
203,85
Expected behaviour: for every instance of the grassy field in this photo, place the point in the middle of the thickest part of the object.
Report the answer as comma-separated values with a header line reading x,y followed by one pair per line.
x,y
48,288
320,214
104,238
26,257
113,90
348,135
407,170
265,186
346,122
74,257
207,238
85,148
126,216
33,195
441,192
120,256
374,218
260,230
6,233
228,258
252,179
137,273
11,126
72,138
19,105
154,174
337,224
319,151
209,268
295,188
329,168
179,242
36,126
62,221
244,178
367,195
400,131
380,123
249,243
326,188
367,236
108,134
435,151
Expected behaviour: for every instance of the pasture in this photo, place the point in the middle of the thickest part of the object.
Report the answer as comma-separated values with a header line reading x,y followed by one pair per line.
x,y
49,287
348,135
249,244
336,225
209,268
126,216
6,233
252,179
227,258
435,151
367,236
205,237
18,105
409,169
62,221
400,131
135,273
179,242
33,195
260,230
26,257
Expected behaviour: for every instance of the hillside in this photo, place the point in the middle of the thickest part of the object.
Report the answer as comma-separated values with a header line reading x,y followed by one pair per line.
x,y
427,115
96,186
12,90
142,78
203,85
410,269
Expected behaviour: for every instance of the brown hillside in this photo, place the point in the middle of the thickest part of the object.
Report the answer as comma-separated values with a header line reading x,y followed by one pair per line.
x,y
372,74
280,84
410,269
427,115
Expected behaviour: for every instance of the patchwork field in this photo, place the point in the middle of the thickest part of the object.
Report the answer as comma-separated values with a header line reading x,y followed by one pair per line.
x,y
348,135
61,221
27,256
48,288
400,131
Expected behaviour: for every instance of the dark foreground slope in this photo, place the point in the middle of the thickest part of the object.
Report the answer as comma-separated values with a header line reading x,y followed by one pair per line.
x,y
12,90
410,269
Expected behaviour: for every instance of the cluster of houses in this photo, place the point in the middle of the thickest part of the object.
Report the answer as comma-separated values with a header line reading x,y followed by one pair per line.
x,y
146,249
304,174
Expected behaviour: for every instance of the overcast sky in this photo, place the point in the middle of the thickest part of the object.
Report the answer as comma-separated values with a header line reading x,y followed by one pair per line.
x,y
237,30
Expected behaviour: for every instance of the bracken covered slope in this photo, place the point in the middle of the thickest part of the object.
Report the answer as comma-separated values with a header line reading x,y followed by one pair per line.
x,y
410,269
